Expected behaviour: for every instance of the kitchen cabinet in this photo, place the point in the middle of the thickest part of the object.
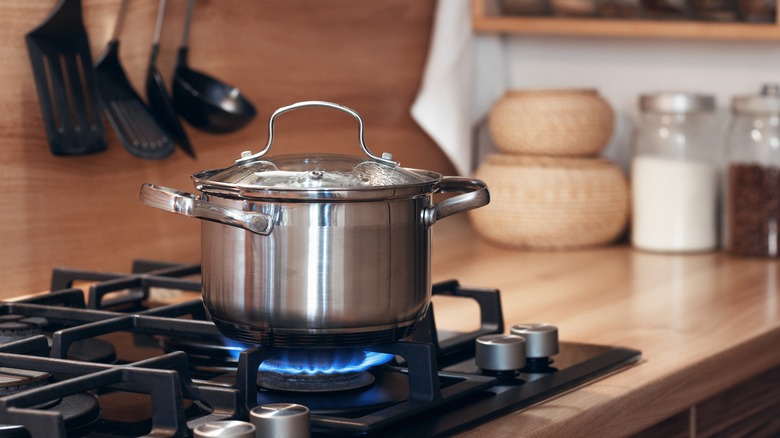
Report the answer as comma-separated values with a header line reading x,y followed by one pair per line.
x,y
747,409
486,17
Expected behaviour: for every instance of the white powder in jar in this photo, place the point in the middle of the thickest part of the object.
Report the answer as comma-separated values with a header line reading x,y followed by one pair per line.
x,y
674,205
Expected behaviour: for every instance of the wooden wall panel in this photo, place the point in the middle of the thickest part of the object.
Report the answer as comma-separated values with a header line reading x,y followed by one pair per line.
x,y
83,211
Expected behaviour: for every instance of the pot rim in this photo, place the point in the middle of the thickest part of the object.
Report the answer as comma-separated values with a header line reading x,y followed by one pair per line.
x,y
204,184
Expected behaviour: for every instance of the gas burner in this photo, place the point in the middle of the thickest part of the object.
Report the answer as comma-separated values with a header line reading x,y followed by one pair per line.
x,y
14,380
79,411
15,327
320,370
92,350
18,327
388,388
314,382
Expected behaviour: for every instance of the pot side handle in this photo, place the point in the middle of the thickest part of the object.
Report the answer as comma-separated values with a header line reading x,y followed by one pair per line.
x,y
475,195
190,205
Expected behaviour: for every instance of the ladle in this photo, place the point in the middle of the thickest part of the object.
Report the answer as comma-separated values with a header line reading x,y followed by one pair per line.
x,y
204,102
157,93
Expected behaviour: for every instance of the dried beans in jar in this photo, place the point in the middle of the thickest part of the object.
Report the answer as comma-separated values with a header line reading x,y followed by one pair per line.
x,y
754,209
753,177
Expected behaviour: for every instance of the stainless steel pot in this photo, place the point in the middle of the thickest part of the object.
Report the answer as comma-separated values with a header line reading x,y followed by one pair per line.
x,y
317,250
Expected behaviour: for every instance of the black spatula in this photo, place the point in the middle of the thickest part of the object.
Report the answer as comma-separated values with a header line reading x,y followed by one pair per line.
x,y
157,94
132,121
62,69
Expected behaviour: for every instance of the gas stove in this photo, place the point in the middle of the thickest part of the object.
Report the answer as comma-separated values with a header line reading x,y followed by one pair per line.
x,y
118,363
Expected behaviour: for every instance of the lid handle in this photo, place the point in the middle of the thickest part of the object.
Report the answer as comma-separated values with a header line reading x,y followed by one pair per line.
x,y
247,156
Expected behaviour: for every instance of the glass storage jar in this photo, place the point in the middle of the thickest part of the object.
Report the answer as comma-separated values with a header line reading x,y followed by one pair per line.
x,y
753,181
674,178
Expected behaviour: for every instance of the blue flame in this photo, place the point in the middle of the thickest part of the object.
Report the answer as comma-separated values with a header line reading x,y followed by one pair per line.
x,y
234,348
298,362
329,364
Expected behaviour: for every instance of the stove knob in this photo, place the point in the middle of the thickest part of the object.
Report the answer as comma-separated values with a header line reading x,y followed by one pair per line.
x,y
281,420
541,340
500,352
225,429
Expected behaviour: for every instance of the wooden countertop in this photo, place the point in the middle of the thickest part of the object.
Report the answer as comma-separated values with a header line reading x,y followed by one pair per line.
x,y
704,322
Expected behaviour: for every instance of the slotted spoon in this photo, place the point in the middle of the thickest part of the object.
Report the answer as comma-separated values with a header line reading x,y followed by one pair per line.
x,y
132,121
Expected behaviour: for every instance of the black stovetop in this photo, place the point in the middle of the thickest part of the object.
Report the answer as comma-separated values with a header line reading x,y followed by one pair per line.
x,y
117,365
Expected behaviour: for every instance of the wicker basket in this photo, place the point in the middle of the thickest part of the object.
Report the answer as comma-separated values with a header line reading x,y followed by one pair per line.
x,y
544,202
552,122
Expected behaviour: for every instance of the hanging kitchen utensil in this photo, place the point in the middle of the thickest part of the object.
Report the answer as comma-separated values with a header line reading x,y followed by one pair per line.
x,y
157,95
204,102
138,131
62,69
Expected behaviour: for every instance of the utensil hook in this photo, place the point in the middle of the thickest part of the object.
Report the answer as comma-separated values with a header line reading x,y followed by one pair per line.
x,y
187,21
386,157
120,20
159,23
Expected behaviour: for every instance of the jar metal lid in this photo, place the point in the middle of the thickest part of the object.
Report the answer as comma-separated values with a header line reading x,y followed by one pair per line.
x,y
674,102
756,104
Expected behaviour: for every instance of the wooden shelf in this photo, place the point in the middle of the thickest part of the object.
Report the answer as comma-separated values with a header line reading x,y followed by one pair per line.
x,y
485,18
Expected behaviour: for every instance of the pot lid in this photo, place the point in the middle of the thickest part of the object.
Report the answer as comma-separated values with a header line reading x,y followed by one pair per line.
x,y
316,176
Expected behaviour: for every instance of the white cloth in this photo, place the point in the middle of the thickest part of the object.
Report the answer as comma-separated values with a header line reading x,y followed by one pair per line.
x,y
464,75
